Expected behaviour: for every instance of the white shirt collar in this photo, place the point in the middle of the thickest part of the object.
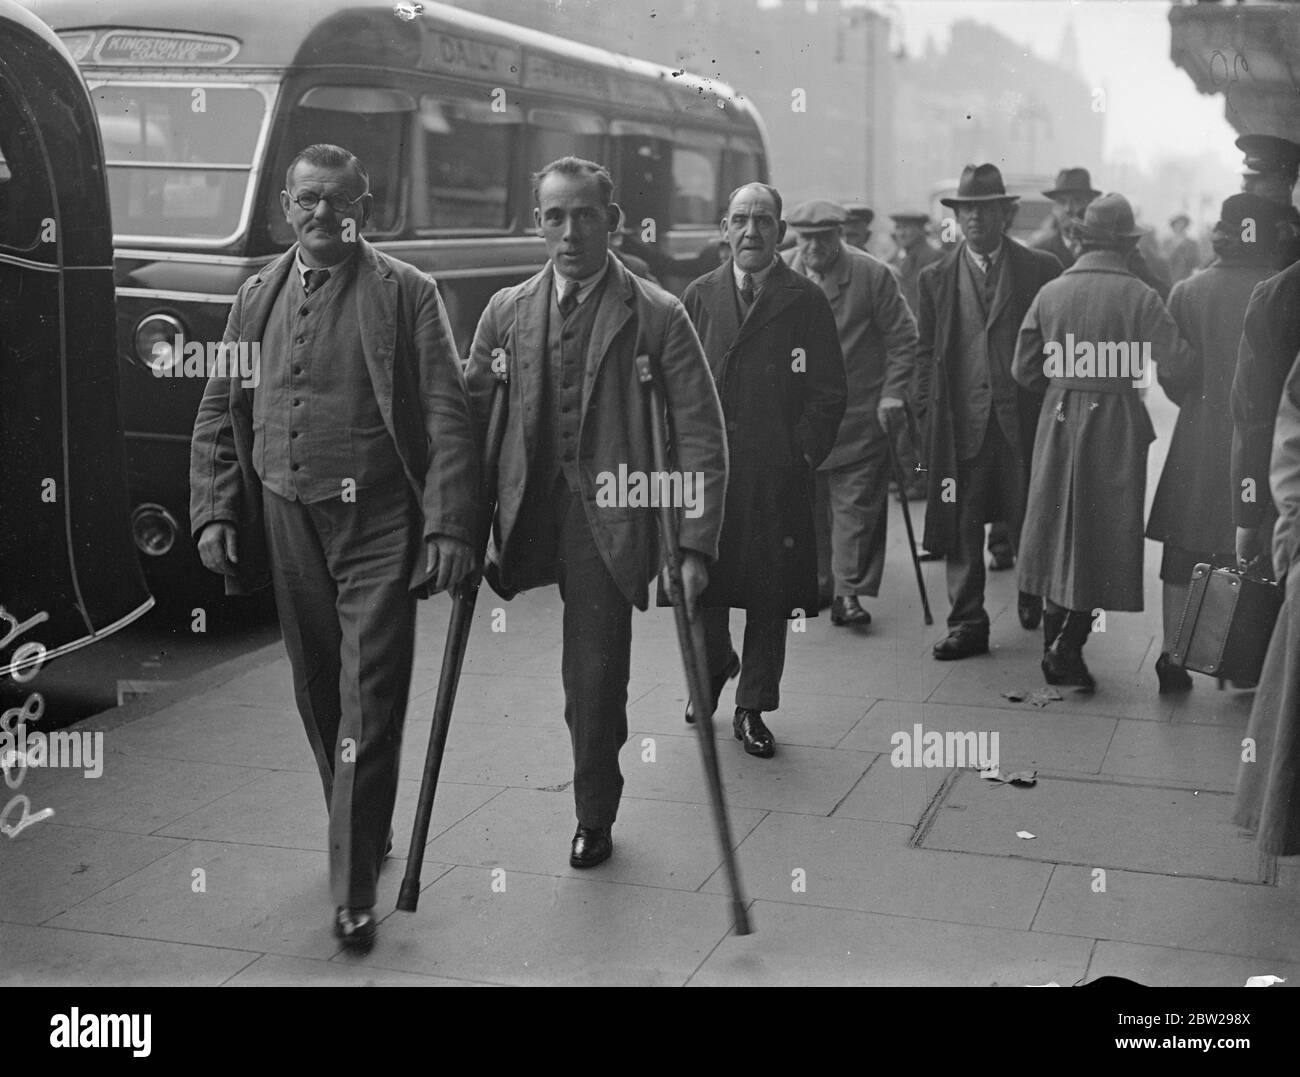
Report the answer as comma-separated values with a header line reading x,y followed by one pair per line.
x,y
585,285
757,277
993,257
303,268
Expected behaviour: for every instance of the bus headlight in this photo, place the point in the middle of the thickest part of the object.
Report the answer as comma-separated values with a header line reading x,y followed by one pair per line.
x,y
156,339
154,529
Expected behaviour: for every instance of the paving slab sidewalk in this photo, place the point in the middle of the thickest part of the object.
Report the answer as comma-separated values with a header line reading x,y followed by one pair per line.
x,y
197,856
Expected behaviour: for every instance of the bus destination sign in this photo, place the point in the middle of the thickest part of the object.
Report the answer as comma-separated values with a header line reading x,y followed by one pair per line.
x,y
161,47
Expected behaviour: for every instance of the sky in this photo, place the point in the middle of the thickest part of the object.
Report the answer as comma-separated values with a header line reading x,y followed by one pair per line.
x,y
1153,110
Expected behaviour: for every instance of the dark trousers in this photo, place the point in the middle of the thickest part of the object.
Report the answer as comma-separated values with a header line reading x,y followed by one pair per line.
x,y
851,516
341,572
596,660
986,483
762,655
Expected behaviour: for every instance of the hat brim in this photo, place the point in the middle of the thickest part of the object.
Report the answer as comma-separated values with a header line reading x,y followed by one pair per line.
x,y
1081,231
1059,191
910,218
810,229
953,203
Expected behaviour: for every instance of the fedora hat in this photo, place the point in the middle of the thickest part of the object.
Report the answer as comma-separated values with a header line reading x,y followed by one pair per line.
x,y
1073,181
980,183
1106,220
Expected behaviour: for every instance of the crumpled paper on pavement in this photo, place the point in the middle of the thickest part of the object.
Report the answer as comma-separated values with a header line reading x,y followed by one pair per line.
x,y
1039,697
1019,777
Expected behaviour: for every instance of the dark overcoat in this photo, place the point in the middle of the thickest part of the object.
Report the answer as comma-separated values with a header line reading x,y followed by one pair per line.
x,y
634,318
780,376
878,342
1023,272
1268,787
1081,545
1270,339
1194,499
418,385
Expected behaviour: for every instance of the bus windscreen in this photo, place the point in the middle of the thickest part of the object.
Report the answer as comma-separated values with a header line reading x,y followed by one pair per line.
x,y
179,157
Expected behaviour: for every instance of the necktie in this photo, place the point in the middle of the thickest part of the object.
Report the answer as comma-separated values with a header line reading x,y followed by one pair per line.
x,y
747,290
314,278
990,278
569,300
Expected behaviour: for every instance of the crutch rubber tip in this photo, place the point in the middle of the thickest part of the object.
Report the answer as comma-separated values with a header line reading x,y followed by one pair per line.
x,y
408,897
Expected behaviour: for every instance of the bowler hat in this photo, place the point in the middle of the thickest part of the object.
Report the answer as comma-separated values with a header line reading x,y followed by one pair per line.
x,y
980,183
1072,181
818,215
1107,219
1269,153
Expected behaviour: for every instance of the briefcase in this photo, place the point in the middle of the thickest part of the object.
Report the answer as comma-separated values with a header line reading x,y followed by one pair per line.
x,y
1226,625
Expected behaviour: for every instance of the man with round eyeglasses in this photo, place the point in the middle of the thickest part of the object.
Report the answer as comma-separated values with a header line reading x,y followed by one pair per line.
x,y
347,476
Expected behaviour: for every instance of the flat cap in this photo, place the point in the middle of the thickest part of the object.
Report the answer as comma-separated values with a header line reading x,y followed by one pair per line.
x,y
911,216
859,211
818,215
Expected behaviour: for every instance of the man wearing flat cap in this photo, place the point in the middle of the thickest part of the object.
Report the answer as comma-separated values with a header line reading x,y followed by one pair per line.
x,y
1272,165
981,423
857,224
878,339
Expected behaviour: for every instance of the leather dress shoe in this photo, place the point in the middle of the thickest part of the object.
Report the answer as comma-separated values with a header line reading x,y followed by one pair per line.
x,y
1029,608
1064,665
356,927
958,644
757,738
731,671
848,611
592,845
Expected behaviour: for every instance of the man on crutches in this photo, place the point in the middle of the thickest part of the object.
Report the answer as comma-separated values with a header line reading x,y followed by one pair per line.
x,y
576,462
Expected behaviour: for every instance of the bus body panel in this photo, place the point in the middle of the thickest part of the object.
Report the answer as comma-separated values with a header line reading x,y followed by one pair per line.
x,y
66,556
450,111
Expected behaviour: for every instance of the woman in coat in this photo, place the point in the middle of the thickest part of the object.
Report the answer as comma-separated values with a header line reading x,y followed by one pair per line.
x,y
1087,343
1192,511
1268,782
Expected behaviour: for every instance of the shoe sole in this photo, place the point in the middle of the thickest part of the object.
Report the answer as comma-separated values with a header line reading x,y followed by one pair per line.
x,y
757,753
576,863
958,657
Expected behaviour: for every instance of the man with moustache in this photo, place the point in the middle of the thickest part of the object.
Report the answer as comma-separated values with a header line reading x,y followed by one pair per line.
x,y
349,475
878,340
772,345
981,423
577,410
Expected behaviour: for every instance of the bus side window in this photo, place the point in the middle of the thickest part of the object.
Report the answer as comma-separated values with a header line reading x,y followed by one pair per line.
x,y
462,158
369,121
555,133
25,202
697,176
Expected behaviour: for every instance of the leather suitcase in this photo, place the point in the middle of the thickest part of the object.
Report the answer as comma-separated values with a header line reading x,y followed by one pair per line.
x,y
1225,628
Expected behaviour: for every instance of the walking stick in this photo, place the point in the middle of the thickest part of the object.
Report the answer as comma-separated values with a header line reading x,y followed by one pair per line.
x,y
464,598
690,640
907,518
